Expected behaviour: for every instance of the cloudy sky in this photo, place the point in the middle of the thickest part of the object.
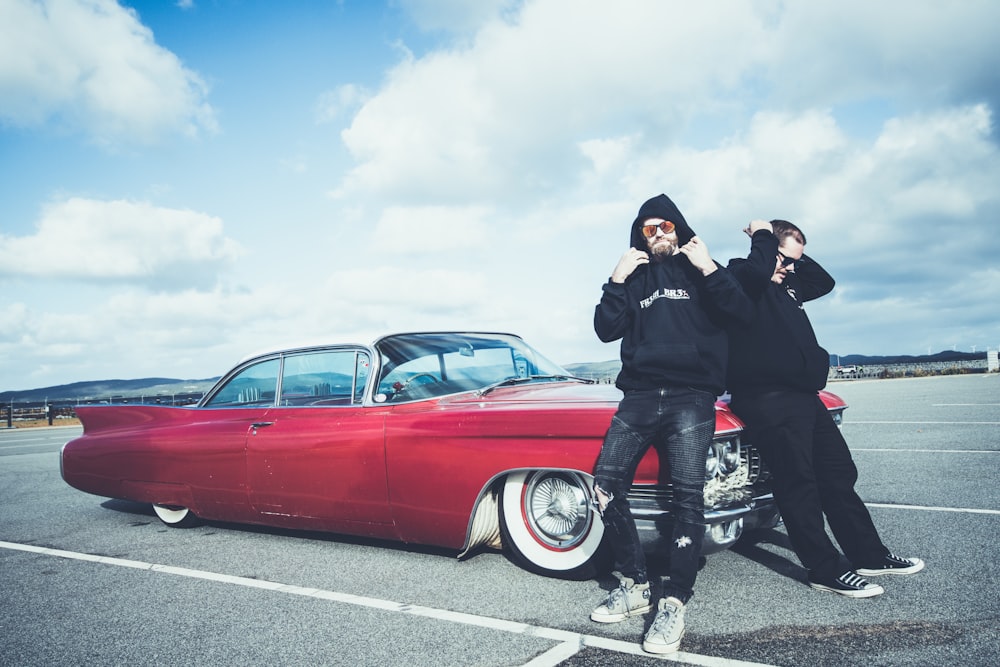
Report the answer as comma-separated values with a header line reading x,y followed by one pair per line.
x,y
184,183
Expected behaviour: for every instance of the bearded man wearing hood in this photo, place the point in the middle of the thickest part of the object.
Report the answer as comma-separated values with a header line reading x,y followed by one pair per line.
x,y
670,304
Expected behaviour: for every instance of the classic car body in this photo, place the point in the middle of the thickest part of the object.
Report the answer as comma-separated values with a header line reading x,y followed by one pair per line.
x,y
459,440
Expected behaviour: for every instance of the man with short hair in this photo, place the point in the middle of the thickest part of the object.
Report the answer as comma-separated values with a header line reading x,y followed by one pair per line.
x,y
669,303
776,370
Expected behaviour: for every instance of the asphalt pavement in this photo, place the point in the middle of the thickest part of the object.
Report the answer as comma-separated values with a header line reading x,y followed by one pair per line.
x,y
88,580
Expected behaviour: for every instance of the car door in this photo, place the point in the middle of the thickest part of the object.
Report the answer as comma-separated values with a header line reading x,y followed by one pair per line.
x,y
208,454
318,453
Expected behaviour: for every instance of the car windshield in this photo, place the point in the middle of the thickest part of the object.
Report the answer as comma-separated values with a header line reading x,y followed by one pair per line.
x,y
425,365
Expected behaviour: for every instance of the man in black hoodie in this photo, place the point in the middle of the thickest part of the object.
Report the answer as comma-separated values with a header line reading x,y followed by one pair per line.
x,y
670,304
776,370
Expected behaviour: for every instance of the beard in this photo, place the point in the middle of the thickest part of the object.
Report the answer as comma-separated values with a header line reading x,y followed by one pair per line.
x,y
662,250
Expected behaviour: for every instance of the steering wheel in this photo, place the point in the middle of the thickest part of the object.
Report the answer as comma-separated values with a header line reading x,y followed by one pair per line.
x,y
401,388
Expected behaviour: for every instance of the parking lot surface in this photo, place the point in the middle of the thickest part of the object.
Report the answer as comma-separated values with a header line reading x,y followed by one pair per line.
x,y
88,580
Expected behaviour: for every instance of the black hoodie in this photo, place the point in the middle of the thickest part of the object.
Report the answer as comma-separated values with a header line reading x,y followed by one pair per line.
x,y
672,320
778,350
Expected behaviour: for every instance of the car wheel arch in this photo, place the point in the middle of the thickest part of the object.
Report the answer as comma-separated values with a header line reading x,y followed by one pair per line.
x,y
484,522
503,518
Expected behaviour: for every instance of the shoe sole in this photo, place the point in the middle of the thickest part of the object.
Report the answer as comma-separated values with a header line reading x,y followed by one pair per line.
x,y
866,593
617,618
899,570
660,649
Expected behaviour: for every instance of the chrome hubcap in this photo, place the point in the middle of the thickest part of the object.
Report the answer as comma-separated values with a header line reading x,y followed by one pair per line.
x,y
556,507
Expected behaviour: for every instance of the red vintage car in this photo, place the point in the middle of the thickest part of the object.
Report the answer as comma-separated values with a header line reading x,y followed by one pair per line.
x,y
459,440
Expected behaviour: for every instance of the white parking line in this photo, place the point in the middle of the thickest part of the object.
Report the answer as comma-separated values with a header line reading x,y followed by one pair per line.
x,y
4,448
965,405
25,437
961,423
569,643
930,508
927,451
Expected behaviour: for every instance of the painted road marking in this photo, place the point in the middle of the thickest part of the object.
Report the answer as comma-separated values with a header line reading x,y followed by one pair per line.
x,y
938,423
928,508
568,643
928,451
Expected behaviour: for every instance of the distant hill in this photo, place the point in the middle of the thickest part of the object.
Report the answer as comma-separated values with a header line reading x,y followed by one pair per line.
x,y
105,389
610,369
595,370
99,390
946,356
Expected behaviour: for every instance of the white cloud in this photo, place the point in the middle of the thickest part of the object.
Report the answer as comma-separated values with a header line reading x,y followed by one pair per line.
x,y
137,333
432,229
436,290
924,52
13,321
506,112
194,333
86,239
94,68
495,175
926,177
455,15
333,104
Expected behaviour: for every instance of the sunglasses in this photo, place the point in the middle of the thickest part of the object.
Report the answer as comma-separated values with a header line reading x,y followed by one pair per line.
x,y
649,231
786,261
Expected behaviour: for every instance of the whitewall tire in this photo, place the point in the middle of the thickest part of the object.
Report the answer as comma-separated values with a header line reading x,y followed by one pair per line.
x,y
548,525
176,517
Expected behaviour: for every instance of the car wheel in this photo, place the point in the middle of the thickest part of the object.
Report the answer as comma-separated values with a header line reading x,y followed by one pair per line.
x,y
548,525
176,517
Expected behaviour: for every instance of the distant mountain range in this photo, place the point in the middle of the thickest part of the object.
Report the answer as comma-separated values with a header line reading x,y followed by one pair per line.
x,y
172,390
166,389
606,369
940,357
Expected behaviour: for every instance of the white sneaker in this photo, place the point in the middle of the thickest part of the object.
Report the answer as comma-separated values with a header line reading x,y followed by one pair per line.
x,y
665,634
629,599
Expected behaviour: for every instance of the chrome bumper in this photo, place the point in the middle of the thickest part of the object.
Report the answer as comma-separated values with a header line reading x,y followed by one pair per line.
x,y
723,526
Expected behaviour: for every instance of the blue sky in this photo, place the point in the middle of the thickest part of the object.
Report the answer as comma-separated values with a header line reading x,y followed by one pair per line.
x,y
185,183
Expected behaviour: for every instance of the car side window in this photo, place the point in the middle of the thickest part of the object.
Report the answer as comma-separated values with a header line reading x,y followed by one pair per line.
x,y
254,386
326,378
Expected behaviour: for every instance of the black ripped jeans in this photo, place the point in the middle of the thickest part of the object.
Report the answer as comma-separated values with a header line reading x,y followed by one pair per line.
x,y
680,423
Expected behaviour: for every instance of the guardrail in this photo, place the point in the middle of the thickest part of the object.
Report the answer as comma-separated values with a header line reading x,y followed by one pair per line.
x,y
33,411
14,413
917,369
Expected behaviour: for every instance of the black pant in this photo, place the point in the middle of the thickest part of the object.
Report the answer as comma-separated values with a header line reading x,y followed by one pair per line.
x,y
680,423
813,475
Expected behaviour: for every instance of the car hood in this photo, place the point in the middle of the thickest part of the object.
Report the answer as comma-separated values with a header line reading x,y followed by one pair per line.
x,y
544,392
566,396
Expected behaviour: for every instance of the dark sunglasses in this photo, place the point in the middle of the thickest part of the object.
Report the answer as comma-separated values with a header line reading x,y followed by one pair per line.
x,y
786,261
649,231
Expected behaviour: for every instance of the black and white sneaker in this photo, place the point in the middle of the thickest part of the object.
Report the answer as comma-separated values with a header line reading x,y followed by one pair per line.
x,y
893,565
849,584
